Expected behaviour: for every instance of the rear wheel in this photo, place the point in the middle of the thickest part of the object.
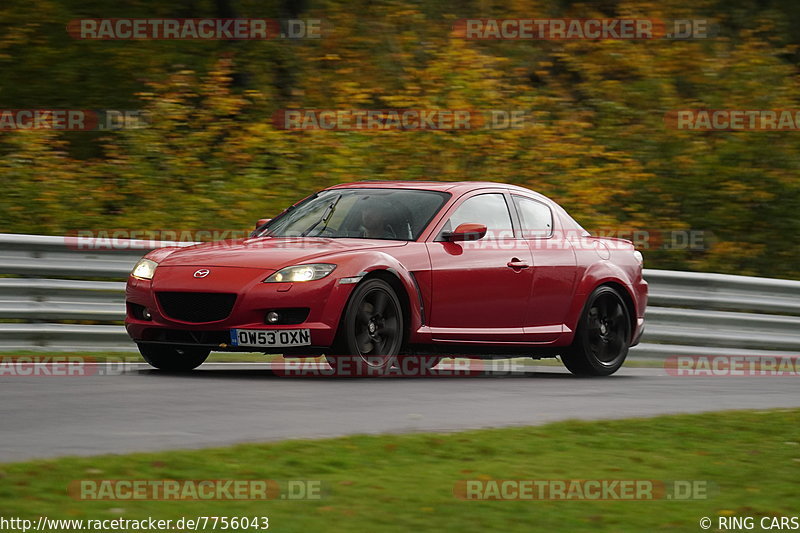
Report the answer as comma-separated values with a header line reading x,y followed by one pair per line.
x,y
371,332
602,337
173,358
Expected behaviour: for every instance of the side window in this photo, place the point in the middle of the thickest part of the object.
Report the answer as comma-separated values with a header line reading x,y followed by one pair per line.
x,y
535,217
487,209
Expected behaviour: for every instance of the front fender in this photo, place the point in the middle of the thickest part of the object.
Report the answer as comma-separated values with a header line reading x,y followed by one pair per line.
x,y
356,267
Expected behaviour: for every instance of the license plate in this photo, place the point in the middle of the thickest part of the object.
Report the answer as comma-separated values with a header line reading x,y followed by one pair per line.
x,y
271,338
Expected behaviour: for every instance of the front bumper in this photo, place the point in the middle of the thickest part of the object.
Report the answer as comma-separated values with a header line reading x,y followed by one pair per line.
x,y
325,299
642,294
637,335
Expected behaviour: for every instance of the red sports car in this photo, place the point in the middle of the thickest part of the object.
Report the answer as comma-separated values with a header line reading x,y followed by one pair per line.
x,y
383,273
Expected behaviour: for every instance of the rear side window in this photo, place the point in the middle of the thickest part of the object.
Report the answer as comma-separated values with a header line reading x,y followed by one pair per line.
x,y
535,217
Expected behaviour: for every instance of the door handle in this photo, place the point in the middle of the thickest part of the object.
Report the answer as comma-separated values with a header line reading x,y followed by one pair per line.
x,y
517,264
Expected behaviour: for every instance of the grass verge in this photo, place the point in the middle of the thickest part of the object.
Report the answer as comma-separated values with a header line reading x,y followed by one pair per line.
x,y
405,482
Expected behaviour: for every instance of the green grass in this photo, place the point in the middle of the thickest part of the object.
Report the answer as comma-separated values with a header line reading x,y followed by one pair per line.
x,y
405,482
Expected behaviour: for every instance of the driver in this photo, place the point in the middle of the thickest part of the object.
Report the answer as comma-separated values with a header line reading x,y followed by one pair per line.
x,y
374,221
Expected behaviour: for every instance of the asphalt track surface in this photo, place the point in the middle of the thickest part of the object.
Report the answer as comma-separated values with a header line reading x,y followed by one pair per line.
x,y
134,408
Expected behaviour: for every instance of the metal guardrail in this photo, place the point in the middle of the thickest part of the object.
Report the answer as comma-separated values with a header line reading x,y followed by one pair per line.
x,y
688,312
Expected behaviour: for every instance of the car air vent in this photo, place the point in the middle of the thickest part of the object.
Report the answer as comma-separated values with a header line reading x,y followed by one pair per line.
x,y
188,338
197,306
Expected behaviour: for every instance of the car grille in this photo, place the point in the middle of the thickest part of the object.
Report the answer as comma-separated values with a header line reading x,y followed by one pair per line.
x,y
187,337
197,306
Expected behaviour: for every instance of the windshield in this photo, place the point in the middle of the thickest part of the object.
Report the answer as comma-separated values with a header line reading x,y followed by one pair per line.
x,y
394,214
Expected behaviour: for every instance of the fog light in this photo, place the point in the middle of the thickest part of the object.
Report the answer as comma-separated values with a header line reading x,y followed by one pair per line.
x,y
146,314
273,317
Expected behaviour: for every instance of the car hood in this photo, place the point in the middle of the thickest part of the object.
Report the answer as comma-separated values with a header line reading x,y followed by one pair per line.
x,y
268,252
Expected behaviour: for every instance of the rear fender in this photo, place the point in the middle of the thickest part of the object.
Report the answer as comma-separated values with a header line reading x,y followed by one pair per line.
x,y
597,274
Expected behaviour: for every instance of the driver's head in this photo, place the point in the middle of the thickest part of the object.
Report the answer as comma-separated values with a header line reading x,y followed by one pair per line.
x,y
374,218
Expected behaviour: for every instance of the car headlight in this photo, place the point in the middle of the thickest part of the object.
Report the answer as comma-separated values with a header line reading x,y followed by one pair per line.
x,y
144,269
301,273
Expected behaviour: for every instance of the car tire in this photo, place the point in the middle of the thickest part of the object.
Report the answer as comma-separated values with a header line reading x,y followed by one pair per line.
x,y
602,337
173,358
371,331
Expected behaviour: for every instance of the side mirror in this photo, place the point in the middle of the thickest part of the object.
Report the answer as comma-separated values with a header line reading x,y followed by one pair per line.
x,y
260,223
466,232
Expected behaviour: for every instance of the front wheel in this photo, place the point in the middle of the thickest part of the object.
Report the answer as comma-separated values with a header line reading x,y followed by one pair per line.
x,y
602,337
371,331
173,358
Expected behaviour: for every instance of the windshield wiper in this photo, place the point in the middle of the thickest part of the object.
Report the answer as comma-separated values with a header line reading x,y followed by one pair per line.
x,y
264,229
326,216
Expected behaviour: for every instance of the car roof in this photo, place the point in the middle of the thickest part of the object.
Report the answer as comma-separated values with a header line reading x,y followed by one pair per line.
x,y
454,187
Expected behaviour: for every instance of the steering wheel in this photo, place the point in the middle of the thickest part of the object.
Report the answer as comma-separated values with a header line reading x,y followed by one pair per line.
x,y
388,231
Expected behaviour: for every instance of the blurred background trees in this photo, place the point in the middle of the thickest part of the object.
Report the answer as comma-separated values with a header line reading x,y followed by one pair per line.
x,y
211,157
